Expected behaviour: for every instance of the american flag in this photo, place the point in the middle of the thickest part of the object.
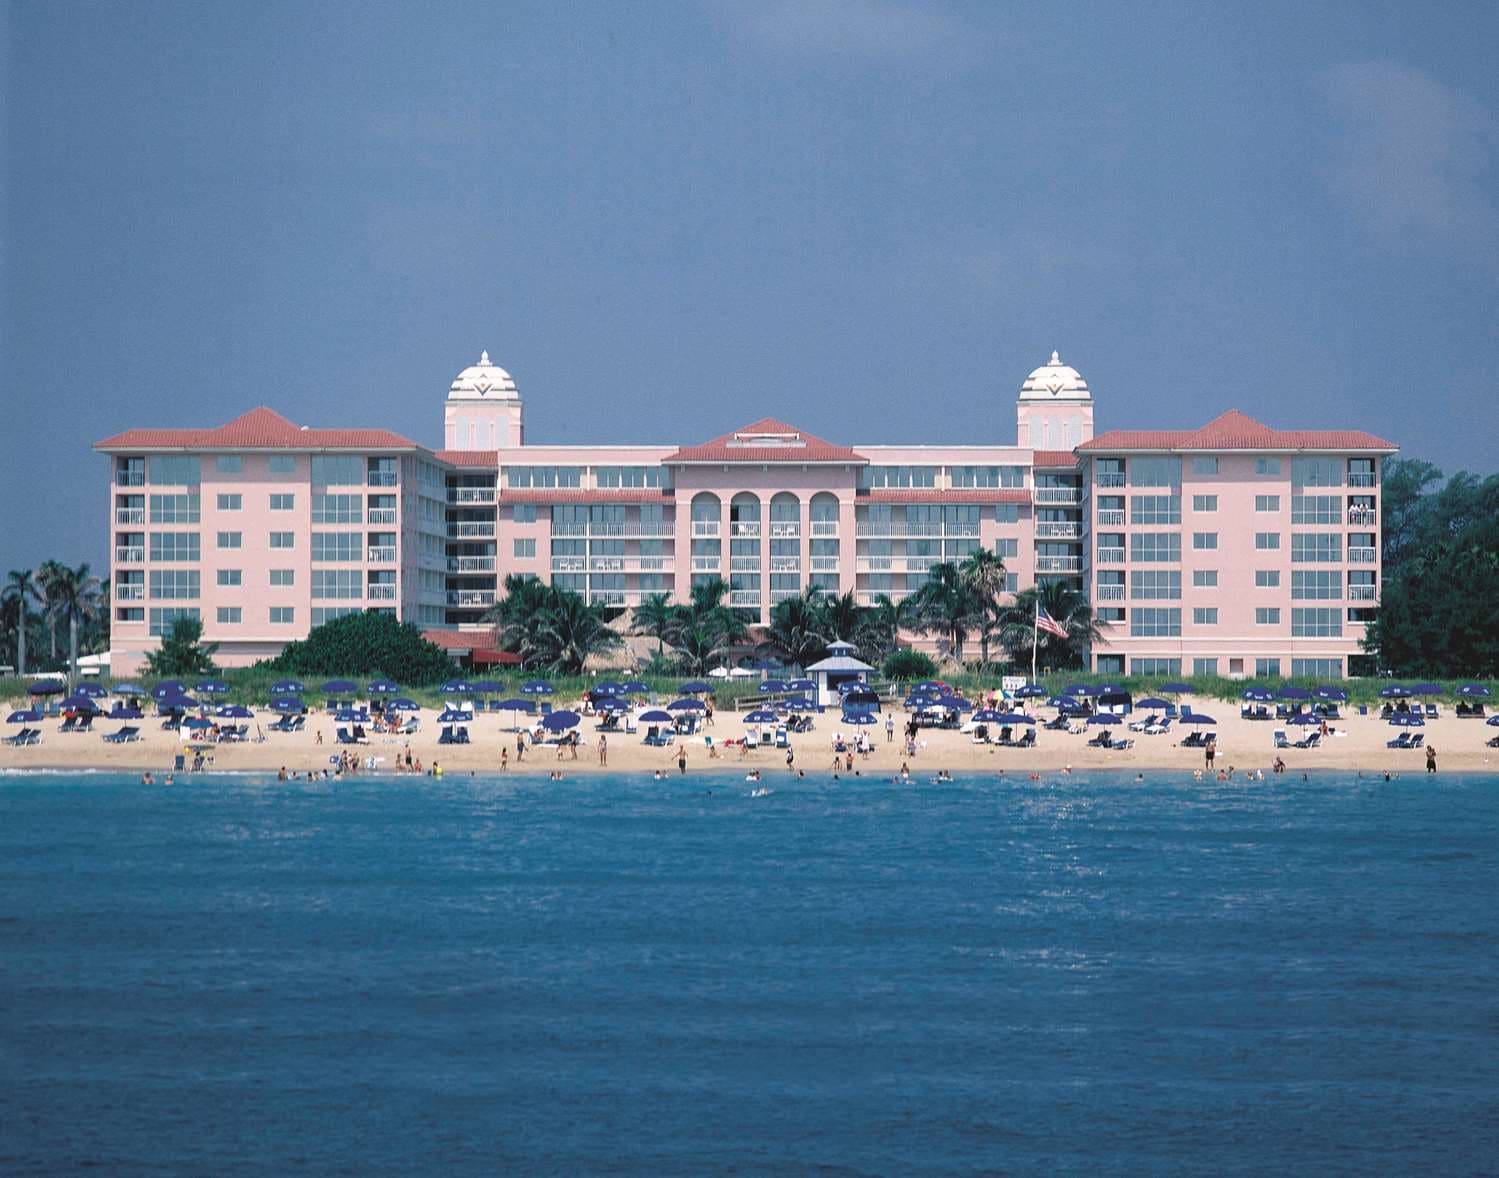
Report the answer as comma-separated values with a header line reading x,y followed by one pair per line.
x,y
1044,621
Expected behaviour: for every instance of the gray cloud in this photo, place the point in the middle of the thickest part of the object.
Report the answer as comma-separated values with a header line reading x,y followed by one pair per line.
x,y
1413,157
852,28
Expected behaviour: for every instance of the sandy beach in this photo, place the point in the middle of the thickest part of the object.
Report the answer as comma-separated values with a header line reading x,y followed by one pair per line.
x,y
1357,744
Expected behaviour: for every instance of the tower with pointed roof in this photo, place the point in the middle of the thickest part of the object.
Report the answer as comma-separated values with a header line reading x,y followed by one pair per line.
x,y
1055,410
483,410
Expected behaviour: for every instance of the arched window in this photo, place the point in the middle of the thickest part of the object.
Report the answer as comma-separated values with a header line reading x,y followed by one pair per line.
x,y
706,507
785,508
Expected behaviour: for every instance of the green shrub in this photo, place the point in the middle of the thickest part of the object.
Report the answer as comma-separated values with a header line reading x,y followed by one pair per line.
x,y
367,644
904,666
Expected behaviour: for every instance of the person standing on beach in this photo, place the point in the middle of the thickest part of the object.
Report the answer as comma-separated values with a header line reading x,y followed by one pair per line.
x,y
889,729
1210,751
504,758
603,749
790,758
682,759
1431,758
520,747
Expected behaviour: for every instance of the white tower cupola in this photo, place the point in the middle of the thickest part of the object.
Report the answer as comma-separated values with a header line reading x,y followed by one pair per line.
x,y
1056,408
483,410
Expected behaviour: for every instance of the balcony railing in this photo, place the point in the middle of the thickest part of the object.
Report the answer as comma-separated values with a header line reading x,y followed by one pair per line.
x,y
470,564
705,527
129,555
1360,478
706,564
1110,556
824,564
1109,592
471,494
652,564
922,564
746,528
1058,531
128,591
744,564
650,528
612,597
130,515
382,555
600,527
896,528
471,598
1057,564
824,527
1109,479
1110,517
1058,495
779,595
744,598
1362,516
130,478
380,591
961,529
871,596
607,564
471,531
569,564
875,564
1362,555
1363,593
567,527
785,530
382,515
785,564
382,478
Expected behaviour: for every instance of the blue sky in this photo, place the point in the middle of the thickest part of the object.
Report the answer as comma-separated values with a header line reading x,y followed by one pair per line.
x,y
870,217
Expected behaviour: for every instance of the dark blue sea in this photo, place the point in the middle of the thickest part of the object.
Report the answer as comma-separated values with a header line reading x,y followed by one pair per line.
x,y
621,976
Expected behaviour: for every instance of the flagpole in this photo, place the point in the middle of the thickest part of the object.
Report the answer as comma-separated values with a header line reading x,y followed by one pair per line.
x,y
1035,637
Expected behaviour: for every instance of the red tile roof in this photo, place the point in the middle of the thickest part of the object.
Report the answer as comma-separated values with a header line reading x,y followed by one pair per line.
x,y
778,442
1051,459
259,429
1236,431
579,495
957,495
484,459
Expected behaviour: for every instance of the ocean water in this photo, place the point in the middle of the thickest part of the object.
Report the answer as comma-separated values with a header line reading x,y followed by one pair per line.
x,y
622,976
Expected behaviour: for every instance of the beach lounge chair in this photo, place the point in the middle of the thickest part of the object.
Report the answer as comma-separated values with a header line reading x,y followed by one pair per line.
x,y
22,737
446,735
343,735
69,725
1309,741
1280,739
125,735
1160,727
1431,711
1193,740
460,735
1027,739
1143,724
1492,742
1403,741
1417,739
1121,745
1102,741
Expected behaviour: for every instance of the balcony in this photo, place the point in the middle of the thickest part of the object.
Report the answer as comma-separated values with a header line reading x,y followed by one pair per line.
x,y
1109,592
705,527
471,494
128,591
382,515
824,564
130,515
922,565
874,564
381,591
897,528
706,564
569,528
612,597
1360,478
606,564
1110,556
744,564
1363,555
129,555
1363,593
872,596
569,564
779,595
471,598
650,528
470,564
609,528
471,531
382,478
785,564
824,527
748,529
1110,518
130,478
1058,531
652,564
1059,496
1109,479
744,599
1364,517
382,555
1058,564
963,529
785,530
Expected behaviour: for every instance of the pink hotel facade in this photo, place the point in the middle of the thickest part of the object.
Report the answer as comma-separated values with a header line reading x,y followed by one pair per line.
x,y
1232,549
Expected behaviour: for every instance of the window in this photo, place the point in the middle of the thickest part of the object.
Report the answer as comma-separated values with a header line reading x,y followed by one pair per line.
x,y
1204,466
1204,503
174,509
1267,541
164,617
1110,664
1267,466
336,546
129,614
1316,547
283,578
228,464
174,584
1266,668
281,464
1316,472
1205,615
1316,509
1267,578
988,476
329,613
283,502
174,546
1204,541
230,502
230,578
1204,578
1155,584
337,583
1317,668
1155,472
898,476
1267,503
229,615
1316,585
230,539
1316,623
1155,509
1204,666
1151,666
1155,622
283,615
1155,547
175,470
1007,549
523,513
1266,615
336,509
525,549
1007,513
544,476
283,539
630,476
1110,613
337,470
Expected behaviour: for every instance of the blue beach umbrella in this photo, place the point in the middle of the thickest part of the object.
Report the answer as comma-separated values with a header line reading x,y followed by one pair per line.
x,y
514,705
454,716
79,703
47,687
197,722
1013,718
383,687
858,719
1080,690
1292,692
1492,721
686,705
800,685
986,716
236,712
537,687
1175,688
167,688
212,687
1031,691
1152,703
695,687
1258,695
761,716
287,704
635,687
403,704
560,720
336,687
611,704
1474,691
349,716
1394,691
288,687
129,689
1332,695
123,712
657,716
177,703
92,690
773,686
1104,718
1197,718
24,716
608,687
1305,719
455,687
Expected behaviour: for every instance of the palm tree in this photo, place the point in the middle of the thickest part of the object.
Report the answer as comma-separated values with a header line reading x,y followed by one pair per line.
x,y
798,627
653,616
569,630
879,627
706,612
21,588
1066,606
77,592
984,572
699,643
841,616
47,575
516,615
945,604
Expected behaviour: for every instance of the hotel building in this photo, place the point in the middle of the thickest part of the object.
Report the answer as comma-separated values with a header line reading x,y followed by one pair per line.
x,y
1233,549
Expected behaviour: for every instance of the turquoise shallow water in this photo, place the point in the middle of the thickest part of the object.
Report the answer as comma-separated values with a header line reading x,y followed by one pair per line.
x,y
622,976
